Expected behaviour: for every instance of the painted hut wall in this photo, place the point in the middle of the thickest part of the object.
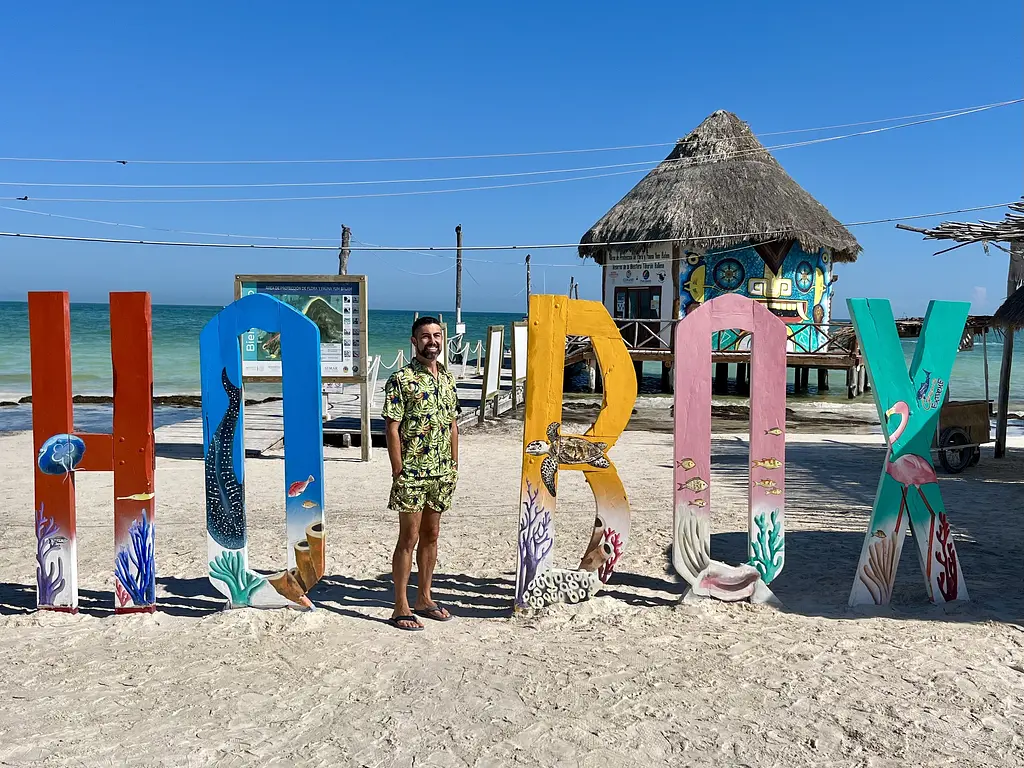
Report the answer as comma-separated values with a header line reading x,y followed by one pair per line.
x,y
799,294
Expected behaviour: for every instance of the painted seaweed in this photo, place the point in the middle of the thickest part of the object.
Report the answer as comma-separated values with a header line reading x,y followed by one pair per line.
x,y
49,576
535,540
768,546
135,567
229,567
949,579
225,495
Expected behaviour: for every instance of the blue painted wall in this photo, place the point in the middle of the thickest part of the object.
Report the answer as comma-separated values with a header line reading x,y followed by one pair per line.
x,y
800,293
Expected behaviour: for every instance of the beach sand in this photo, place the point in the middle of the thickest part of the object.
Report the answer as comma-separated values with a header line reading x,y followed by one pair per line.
x,y
632,677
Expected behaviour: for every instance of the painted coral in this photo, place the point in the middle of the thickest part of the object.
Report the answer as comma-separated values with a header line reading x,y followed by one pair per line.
x,y
614,542
949,579
879,573
768,546
135,565
229,567
535,541
49,571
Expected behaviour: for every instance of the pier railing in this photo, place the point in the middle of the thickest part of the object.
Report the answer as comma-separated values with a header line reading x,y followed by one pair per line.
x,y
808,338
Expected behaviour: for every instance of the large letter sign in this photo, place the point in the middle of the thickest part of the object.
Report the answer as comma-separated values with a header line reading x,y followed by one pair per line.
x,y
548,450
223,412
60,452
908,491
691,544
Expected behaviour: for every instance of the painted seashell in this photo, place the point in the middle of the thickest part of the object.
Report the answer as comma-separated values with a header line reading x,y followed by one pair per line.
x,y
729,583
60,454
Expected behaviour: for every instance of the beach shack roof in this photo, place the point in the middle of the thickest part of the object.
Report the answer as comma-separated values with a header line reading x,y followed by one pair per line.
x,y
1011,313
717,185
1010,229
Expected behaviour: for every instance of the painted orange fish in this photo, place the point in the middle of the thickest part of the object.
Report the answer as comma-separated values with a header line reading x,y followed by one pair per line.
x,y
309,504
770,463
137,497
774,431
879,534
296,488
766,483
773,491
698,503
686,463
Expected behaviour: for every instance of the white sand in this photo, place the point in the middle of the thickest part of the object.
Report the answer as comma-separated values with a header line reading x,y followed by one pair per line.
x,y
630,678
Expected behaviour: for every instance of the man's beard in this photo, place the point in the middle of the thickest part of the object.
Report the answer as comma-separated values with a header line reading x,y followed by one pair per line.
x,y
428,351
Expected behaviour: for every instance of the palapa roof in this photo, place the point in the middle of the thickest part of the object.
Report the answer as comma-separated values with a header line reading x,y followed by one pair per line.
x,y
1011,313
1009,229
717,184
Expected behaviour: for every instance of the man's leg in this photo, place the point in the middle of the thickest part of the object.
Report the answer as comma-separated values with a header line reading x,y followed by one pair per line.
x,y
426,558
401,563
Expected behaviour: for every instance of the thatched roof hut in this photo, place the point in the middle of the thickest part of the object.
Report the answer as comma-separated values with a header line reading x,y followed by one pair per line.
x,y
1011,313
717,184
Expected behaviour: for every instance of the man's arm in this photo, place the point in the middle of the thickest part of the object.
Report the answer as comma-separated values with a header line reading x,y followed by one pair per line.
x,y
455,442
394,446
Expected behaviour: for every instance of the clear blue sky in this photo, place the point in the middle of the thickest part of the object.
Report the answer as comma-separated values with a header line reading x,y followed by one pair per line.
x,y
243,80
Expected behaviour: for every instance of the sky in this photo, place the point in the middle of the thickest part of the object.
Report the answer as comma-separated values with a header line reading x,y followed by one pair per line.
x,y
314,81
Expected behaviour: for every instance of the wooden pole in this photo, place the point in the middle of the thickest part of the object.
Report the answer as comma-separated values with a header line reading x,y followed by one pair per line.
x,y
1014,275
984,354
458,277
528,286
343,254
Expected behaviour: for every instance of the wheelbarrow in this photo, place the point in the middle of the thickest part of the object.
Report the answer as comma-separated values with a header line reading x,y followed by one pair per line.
x,y
963,428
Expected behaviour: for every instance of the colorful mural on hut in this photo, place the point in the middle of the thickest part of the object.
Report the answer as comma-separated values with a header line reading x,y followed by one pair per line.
x,y
796,287
223,434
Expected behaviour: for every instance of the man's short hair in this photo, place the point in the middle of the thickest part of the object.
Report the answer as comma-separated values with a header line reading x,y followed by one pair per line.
x,y
421,321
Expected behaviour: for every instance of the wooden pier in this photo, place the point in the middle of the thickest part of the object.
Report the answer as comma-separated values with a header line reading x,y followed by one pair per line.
x,y
264,422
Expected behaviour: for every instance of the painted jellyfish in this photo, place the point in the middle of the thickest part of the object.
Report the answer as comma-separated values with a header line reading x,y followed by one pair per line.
x,y
61,454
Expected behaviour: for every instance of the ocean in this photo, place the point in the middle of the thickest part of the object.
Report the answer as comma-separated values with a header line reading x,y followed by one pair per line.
x,y
176,358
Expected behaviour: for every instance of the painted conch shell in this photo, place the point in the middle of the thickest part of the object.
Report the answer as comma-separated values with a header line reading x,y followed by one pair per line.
x,y
730,583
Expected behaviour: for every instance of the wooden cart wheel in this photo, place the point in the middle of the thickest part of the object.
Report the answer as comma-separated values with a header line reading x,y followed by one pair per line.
x,y
954,458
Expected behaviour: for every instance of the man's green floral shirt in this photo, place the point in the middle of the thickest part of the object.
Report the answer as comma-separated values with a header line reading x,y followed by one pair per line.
x,y
425,408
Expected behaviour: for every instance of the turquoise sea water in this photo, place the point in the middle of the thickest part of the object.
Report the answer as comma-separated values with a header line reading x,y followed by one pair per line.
x,y
176,355
176,344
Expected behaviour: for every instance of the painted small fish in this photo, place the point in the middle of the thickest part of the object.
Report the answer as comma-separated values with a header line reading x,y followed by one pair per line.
x,y
698,503
879,534
766,483
922,391
773,491
296,488
774,431
770,463
695,484
686,463
309,504
137,497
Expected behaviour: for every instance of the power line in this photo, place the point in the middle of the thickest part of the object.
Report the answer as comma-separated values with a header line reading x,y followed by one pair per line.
x,y
437,158
423,249
634,166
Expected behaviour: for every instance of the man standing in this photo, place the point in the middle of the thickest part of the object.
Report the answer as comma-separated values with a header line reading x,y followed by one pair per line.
x,y
421,408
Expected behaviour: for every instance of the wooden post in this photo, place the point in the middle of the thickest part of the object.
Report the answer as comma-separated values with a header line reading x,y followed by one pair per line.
x,y
677,305
851,388
343,254
741,377
822,380
721,378
528,286
458,278
984,354
1014,273
365,440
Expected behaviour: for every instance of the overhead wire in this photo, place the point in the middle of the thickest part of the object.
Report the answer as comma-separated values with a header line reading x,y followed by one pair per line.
x,y
485,156
634,167
438,249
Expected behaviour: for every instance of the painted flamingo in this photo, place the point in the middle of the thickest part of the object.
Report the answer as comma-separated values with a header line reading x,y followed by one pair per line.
x,y
910,471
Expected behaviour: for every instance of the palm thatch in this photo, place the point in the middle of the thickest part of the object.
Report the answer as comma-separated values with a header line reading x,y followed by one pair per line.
x,y
717,184
1011,313
1009,229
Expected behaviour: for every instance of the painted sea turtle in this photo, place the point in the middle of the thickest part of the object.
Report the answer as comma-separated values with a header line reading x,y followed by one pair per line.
x,y
568,449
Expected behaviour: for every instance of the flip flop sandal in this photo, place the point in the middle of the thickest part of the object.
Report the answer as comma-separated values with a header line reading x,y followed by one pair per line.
x,y
433,613
394,622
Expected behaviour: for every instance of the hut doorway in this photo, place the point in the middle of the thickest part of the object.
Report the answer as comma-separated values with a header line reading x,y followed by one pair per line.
x,y
636,304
